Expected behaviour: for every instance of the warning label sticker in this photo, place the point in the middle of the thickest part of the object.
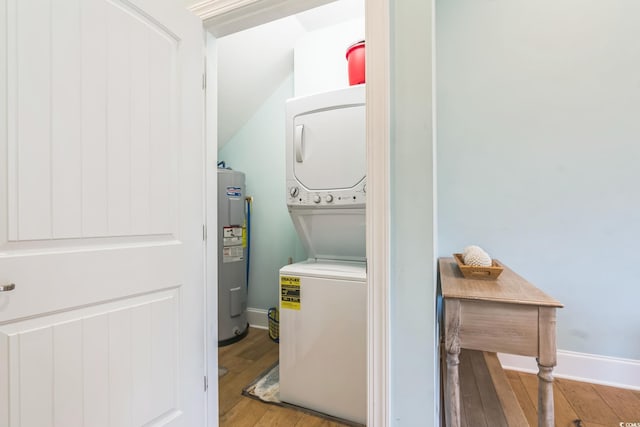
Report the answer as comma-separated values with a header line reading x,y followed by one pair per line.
x,y
232,254
232,231
234,191
232,244
290,292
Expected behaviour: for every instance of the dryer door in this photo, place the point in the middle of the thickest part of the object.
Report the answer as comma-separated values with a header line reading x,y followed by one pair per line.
x,y
329,148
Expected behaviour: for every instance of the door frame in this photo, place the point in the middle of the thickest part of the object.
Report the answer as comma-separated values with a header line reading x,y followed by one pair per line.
x,y
222,17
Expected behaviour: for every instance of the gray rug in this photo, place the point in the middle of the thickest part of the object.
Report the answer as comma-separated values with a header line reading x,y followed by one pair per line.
x,y
266,388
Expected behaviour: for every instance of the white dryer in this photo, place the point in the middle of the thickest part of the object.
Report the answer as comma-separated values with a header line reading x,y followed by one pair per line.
x,y
323,300
326,172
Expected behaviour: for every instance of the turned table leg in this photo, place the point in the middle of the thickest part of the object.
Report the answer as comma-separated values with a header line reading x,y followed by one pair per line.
x,y
545,396
452,347
546,362
453,388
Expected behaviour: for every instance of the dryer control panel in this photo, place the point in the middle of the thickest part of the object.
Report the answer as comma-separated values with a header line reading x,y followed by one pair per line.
x,y
297,195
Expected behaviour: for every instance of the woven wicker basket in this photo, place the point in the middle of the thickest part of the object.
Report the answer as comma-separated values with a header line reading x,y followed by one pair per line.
x,y
274,324
479,273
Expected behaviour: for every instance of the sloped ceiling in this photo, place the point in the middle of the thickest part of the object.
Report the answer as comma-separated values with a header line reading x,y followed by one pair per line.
x,y
254,62
251,65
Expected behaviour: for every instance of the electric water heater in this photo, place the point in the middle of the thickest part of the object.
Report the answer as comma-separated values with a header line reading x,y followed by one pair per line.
x,y
232,257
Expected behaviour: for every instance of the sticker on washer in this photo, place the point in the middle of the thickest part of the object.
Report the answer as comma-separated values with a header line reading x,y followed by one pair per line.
x,y
290,292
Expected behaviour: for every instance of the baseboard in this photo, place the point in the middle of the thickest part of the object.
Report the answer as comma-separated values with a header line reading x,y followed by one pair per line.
x,y
593,368
257,318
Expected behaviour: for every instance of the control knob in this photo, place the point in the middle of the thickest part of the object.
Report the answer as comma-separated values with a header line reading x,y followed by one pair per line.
x,y
316,199
329,198
293,191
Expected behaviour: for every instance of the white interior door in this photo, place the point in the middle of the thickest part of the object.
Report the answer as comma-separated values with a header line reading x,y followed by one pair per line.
x,y
101,214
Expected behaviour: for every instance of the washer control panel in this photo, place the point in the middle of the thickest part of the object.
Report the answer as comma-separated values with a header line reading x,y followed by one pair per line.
x,y
297,195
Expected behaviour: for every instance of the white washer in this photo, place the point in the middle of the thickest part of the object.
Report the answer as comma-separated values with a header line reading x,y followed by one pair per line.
x,y
323,361
323,348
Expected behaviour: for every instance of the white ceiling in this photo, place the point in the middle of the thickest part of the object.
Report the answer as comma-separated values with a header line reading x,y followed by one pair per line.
x,y
253,63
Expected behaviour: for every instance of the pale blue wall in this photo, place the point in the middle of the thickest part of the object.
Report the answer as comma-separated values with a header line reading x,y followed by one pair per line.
x,y
539,153
258,150
414,380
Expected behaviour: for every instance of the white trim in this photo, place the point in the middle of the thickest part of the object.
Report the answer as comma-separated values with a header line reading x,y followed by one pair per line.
x,y
257,318
592,368
211,219
4,124
223,17
378,36
210,8
438,416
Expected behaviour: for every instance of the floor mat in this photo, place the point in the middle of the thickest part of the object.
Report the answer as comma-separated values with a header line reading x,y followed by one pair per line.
x,y
266,388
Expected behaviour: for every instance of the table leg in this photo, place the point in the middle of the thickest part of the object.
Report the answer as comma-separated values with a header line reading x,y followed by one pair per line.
x,y
546,362
452,347
453,387
545,396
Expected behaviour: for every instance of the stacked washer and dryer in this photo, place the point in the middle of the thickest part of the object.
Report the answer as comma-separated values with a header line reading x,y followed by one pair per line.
x,y
323,363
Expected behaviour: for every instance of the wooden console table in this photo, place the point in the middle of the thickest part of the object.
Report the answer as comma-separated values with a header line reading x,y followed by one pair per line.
x,y
507,315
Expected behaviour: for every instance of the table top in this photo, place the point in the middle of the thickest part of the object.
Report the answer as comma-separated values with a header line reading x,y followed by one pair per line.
x,y
509,287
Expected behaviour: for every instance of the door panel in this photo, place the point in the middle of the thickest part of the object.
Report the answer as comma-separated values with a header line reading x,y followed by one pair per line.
x,y
106,156
101,214
116,362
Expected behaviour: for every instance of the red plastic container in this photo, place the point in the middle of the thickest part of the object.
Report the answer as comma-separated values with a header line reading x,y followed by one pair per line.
x,y
356,63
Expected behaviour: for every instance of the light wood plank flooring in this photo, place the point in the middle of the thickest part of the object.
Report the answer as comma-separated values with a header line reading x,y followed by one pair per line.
x,y
485,393
595,405
245,360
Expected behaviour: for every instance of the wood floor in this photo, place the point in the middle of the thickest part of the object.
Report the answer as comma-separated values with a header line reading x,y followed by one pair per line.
x,y
245,360
594,405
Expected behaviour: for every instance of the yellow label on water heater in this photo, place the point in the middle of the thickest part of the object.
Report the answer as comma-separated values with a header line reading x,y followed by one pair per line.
x,y
244,237
290,292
